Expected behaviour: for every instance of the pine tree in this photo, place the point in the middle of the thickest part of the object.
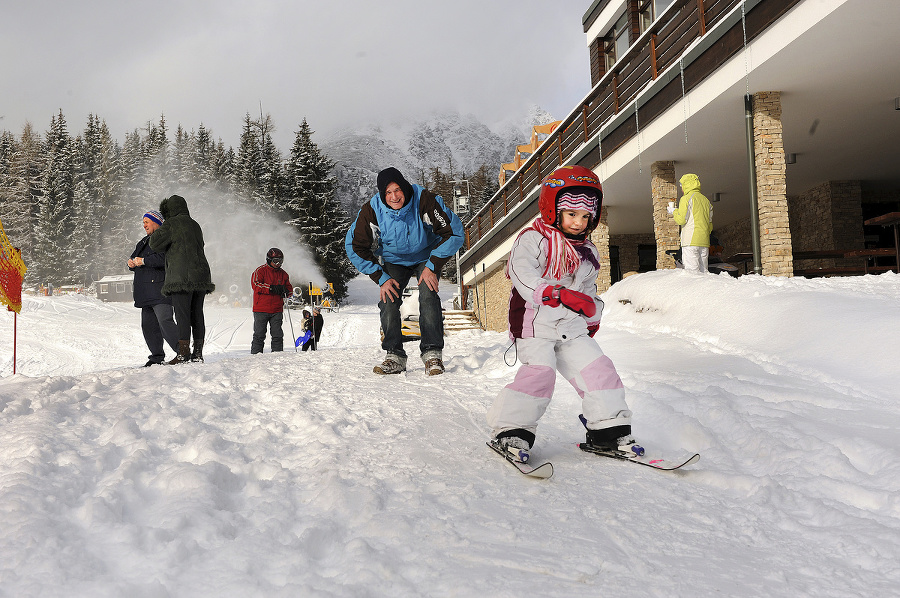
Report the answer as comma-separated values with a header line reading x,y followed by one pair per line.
x,y
114,218
83,243
88,212
483,185
224,168
249,166
54,225
157,180
311,206
20,212
99,213
271,182
184,170
204,158
15,208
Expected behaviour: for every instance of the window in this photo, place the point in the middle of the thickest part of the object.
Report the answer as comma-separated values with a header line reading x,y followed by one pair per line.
x,y
615,268
617,41
104,288
646,257
621,35
650,10
609,52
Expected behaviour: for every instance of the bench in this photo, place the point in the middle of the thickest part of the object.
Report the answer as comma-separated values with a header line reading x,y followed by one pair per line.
x,y
841,271
843,254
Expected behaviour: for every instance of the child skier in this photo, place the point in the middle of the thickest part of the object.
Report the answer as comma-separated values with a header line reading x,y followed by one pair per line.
x,y
553,315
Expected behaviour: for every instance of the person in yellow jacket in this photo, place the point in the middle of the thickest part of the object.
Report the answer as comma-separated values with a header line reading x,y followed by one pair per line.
x,y
694,214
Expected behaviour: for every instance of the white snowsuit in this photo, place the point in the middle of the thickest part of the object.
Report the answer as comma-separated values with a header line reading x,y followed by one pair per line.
x,y
554,338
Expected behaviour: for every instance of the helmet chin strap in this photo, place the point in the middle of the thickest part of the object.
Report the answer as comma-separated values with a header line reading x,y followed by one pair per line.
x,y
579,237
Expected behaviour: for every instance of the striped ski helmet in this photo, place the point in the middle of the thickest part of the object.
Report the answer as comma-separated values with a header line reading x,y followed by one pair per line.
x,y
568,178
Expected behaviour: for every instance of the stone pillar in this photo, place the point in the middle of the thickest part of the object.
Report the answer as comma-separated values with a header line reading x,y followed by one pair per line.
x,y
663,189
600,238
492,306
774,224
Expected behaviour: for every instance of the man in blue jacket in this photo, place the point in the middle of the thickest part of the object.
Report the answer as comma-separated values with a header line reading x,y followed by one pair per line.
x,y
405,230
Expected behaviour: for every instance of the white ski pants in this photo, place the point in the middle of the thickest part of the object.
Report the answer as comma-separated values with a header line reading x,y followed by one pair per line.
x,y
581,361
695,259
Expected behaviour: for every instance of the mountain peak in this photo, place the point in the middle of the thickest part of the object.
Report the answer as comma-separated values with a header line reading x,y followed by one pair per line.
x,y
454,142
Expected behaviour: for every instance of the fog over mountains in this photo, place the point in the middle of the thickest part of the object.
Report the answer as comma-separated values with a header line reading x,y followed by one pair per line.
x,y
454,142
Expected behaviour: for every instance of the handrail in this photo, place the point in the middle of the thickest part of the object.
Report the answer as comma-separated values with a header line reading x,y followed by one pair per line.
x,y
655,50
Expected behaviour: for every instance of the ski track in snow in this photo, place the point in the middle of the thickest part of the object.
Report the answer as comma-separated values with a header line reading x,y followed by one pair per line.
x,y
302,473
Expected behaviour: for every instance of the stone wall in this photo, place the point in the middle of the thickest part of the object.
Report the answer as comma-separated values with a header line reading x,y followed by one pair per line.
x,y
492,300
774,224
628,249
876,195
828,216
663,189
846,215
735,237
600,238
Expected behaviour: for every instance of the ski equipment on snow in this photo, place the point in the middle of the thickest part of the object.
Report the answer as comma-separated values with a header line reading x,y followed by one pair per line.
x,y
303,338
656,462
637,453
542,471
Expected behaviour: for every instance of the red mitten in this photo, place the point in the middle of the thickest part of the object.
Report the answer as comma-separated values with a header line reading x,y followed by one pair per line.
x,y
592,329
550,296
578,302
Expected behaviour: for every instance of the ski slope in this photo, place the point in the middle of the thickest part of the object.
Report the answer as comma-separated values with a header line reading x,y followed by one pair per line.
x,y
304,474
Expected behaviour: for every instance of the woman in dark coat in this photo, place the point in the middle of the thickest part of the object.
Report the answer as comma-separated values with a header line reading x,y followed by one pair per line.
x,y
149,267
188,278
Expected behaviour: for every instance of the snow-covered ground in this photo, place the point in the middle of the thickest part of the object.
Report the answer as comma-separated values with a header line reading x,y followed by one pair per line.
x,y
304,474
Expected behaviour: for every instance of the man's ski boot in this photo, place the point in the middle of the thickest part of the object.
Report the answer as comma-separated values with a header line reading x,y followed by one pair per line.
x,y
434,365
392,364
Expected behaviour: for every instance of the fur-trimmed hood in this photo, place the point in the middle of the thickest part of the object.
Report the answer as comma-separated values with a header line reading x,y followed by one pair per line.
x,y
181,238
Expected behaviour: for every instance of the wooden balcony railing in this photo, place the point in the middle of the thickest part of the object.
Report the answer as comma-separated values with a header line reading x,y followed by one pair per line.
x,y
657,49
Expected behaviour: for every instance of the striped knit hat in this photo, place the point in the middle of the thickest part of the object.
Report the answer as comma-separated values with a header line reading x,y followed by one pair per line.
x,y
154,216
577,199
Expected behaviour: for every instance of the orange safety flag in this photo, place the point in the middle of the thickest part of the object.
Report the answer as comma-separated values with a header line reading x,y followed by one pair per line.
x,y
12,272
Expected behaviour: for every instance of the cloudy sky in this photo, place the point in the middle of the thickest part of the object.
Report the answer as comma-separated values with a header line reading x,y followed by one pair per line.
x,y
335,62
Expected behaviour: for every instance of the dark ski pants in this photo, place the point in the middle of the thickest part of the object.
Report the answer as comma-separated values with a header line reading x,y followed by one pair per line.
x,y
312,343
158,324
431,320
189,315
260,322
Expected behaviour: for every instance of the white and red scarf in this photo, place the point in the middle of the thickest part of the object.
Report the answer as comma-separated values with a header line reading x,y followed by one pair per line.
x,y
562,256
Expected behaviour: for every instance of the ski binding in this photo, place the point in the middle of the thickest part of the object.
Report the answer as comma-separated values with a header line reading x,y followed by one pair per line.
x,y
518,458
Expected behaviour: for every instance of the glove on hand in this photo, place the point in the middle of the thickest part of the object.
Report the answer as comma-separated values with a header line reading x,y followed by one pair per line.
x,y
670,209
550,296
592,330
277,289
577,302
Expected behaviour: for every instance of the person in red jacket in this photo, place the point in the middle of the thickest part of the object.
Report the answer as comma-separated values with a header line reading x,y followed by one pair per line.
x,y
270,285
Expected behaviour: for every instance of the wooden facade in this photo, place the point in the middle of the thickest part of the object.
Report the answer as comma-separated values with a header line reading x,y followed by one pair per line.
x,y
594,123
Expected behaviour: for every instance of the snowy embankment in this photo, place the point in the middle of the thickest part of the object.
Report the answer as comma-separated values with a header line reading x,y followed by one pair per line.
x,y
303,474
